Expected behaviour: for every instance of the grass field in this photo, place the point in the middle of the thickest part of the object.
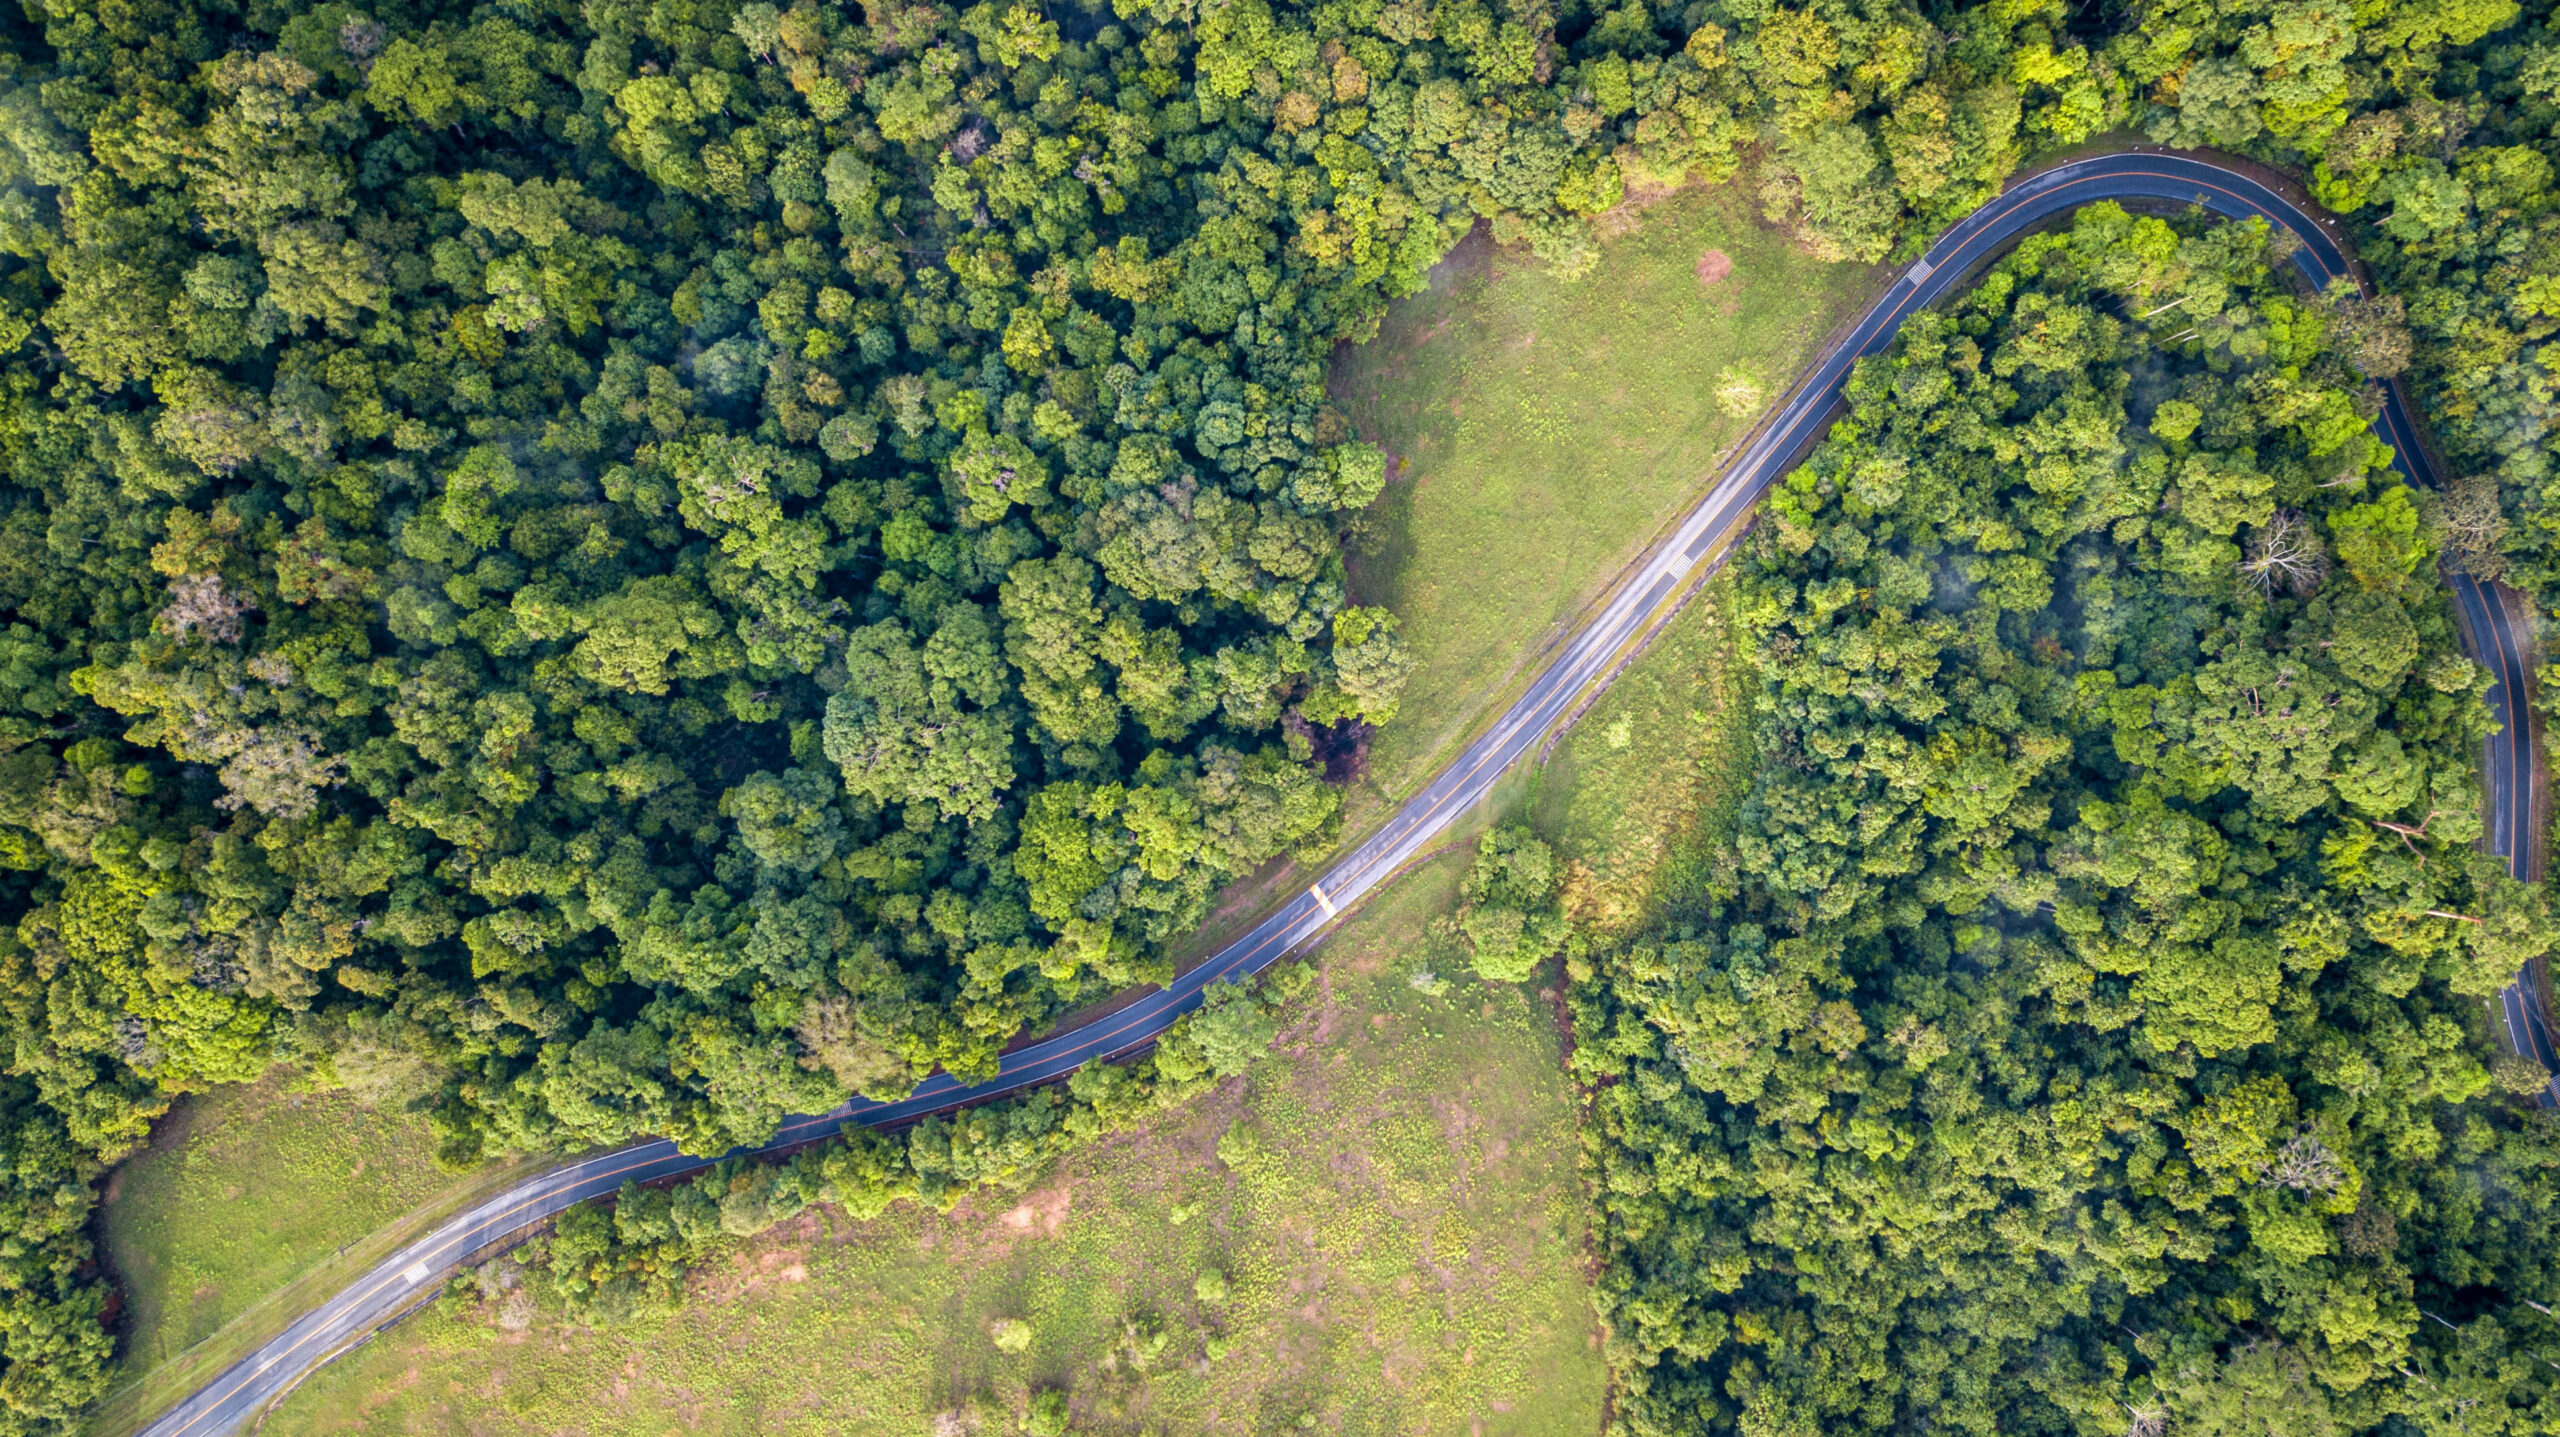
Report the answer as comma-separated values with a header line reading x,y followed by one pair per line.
x,y
1650,774
1546,431
249,1204
240,1191
1396,1221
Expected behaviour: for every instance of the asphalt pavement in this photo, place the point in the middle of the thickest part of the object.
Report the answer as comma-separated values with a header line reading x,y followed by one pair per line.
x,y
418,1271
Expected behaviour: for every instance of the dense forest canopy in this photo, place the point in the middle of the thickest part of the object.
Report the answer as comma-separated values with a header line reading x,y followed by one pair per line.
x,y
2086,1029
613,568
2457,188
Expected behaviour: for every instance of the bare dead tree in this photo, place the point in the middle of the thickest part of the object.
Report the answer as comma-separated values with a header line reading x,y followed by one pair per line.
x,y
2474,525
2285,551
198,601
2305,1164
360,40
2372,334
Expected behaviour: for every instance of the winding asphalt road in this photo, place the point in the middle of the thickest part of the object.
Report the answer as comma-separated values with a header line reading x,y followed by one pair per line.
x,y
416,1271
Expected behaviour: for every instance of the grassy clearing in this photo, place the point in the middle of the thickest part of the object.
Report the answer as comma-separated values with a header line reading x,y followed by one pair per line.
x,y
1543,433
1395,1217
251,1204
1548,430
243,1189
1635,792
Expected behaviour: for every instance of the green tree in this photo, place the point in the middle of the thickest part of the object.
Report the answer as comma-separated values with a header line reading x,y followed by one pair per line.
x,y
1510,917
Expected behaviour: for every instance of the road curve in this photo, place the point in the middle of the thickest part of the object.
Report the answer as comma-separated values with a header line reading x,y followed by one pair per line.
x,y
2157,177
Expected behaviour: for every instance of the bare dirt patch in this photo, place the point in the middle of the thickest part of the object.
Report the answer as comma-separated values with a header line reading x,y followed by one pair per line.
x,y
1455,1122
1041,1212
1713,266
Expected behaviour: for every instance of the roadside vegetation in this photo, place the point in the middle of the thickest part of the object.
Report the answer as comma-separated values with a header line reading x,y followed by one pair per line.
x,y
633,569
1621,791
1639,799
241,1192
1543,430
1420,1111
251,1201
1379,1227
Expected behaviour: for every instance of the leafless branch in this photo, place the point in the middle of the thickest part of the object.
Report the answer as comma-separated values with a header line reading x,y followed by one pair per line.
x,y
2285,551
2474,524
198,601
